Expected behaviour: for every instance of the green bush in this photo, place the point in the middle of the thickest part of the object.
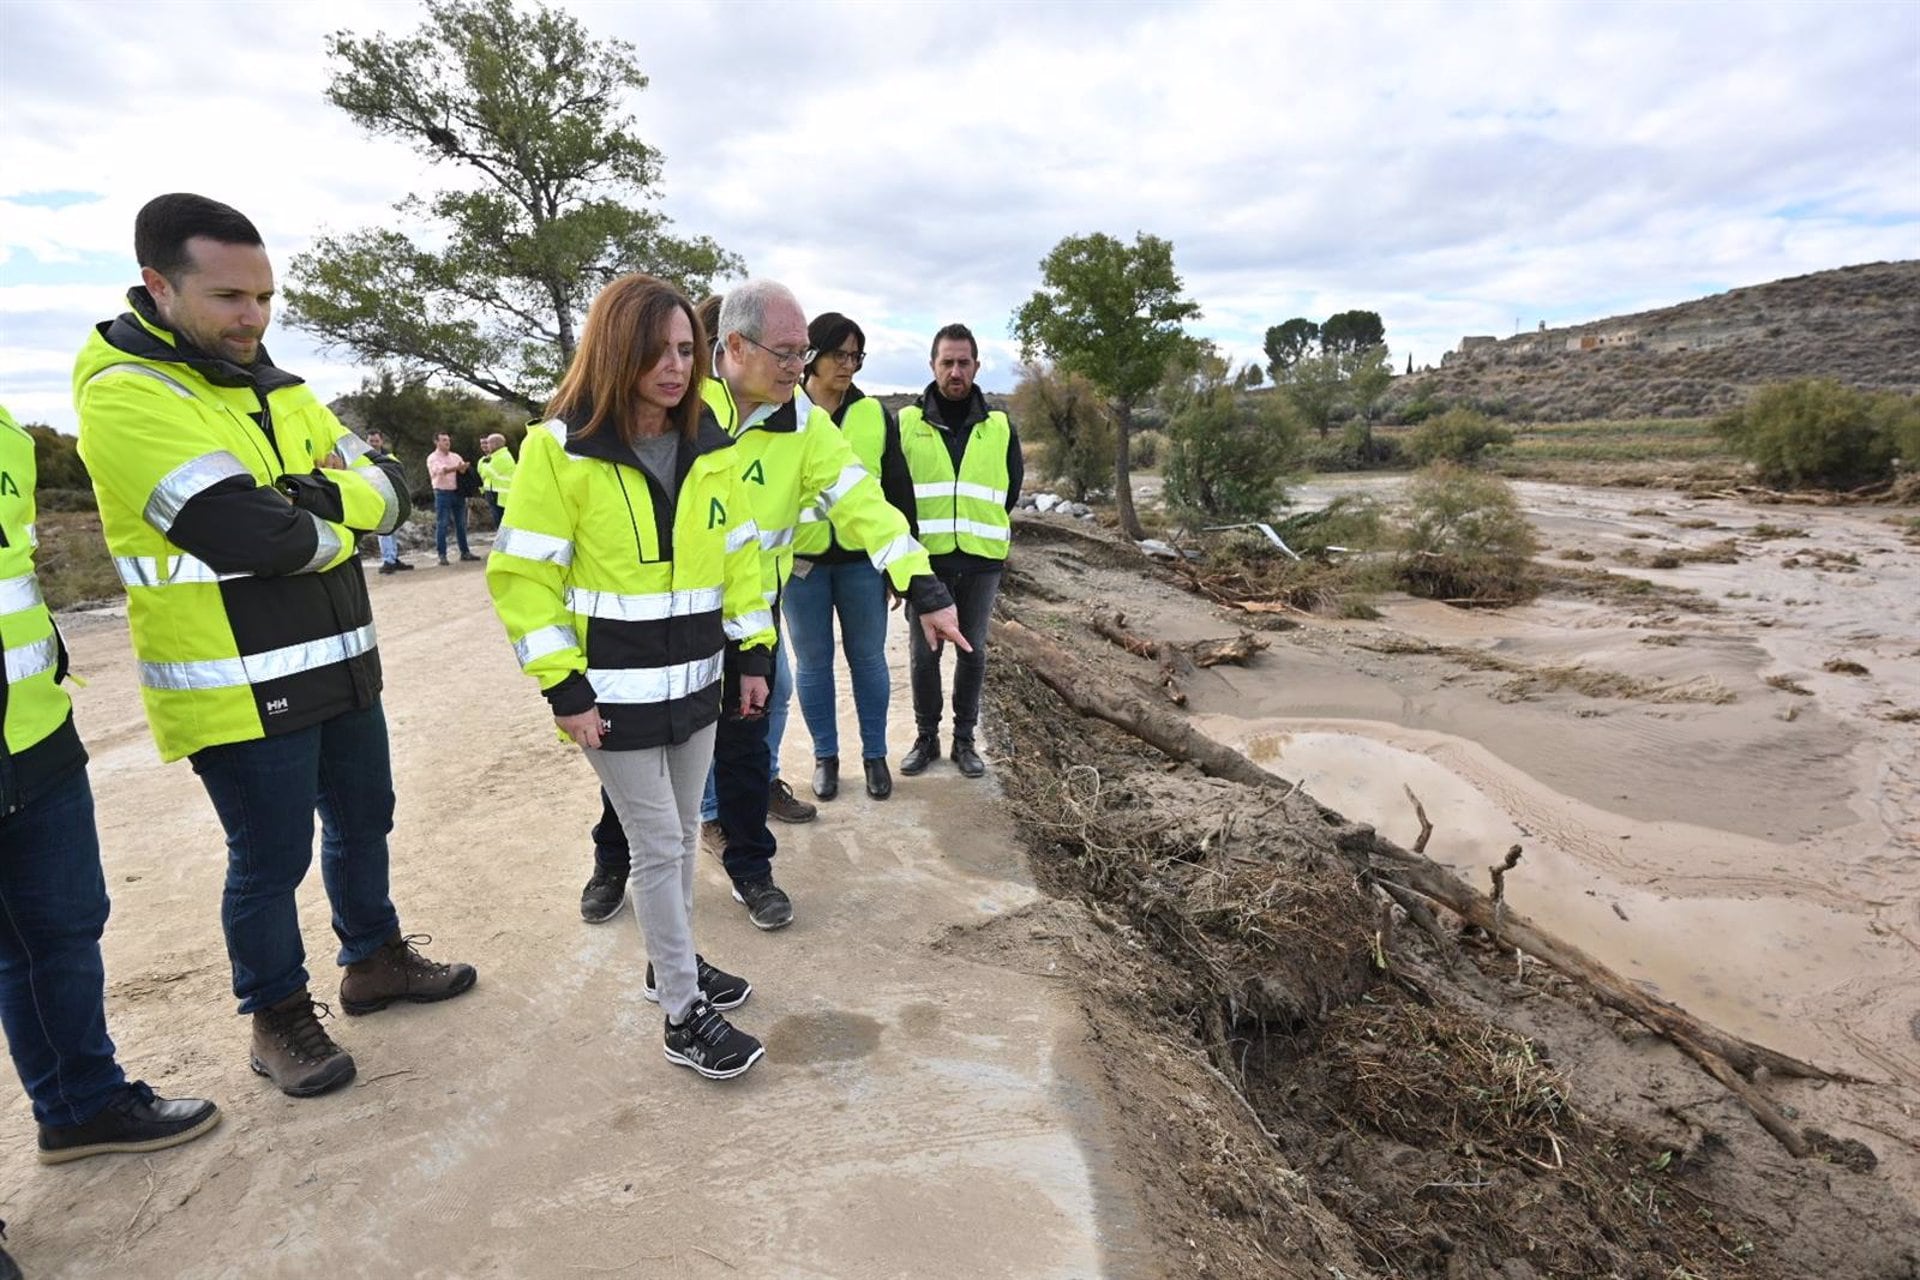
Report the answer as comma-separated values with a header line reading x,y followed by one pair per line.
x,y
1458,435
1816,432
1358,447
56,459
1147,448
1227,460
1466,538
1068,419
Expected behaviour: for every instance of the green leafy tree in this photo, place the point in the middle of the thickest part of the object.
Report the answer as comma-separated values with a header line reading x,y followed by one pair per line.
x,y
1112,313
56,459
529,107
1313,386
1066,414
1351,332
1815,431
1287,344
1226,459
1249,377
1466,538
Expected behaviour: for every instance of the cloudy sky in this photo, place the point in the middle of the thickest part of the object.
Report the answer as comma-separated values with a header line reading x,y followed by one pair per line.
x,y
1459,168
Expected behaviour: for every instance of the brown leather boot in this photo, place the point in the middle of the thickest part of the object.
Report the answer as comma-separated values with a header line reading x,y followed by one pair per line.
x,y
397,971
293,1050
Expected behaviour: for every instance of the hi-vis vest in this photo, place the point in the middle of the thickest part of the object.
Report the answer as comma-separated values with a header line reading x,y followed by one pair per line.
x,y
794,458
967,512
496,473
36,706
594,574
864,424
229,656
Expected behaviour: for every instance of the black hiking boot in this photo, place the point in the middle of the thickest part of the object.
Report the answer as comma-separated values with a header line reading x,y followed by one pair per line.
x,y
924,751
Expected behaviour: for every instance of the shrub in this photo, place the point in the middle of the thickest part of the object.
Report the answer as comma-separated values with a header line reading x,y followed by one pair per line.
x,y
1147,448
1816,432
1466,538
1458,435
1067,418
1227,460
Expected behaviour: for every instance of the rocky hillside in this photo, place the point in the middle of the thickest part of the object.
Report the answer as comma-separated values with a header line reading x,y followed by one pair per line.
x,y
1860,325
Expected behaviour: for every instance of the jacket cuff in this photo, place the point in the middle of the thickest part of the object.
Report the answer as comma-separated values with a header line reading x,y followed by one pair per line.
x,y
750,662
927,594
571,696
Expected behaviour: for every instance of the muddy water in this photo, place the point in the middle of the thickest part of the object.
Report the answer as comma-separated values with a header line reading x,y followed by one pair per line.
x,y
1757,861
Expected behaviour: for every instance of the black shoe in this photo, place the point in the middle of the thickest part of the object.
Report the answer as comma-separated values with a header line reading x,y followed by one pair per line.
x,y
388,566
924,751
443,559
767,904
402,565
718,988
967,758
600,901
826,777
879,778
786,806
9,1269
468,555
137,1119
710,1044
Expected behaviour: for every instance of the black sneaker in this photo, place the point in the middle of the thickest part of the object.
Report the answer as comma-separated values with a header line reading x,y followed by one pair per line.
x,y
388,566
767,904
719,988
710,1044
136,1119
601,900
924,751
402,565
467,557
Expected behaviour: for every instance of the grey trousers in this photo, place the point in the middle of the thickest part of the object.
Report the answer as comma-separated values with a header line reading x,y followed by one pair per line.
x,y
656,792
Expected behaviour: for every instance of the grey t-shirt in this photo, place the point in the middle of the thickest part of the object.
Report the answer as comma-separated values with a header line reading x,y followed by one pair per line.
x,y
660,455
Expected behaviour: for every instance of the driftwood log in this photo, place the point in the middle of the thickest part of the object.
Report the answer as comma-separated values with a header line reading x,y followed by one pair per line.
x,y
1176,661
1409,876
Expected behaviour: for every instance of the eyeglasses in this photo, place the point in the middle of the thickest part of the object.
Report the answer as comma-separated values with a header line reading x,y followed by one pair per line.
x,y
789,358
849,359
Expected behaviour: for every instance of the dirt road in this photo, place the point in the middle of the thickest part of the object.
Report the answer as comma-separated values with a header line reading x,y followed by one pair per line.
x,y
918,1113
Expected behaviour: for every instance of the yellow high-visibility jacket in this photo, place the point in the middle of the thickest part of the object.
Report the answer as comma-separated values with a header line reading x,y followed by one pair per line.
x,y
40,745
496,473
965,511
616,597
794,457
232,503
865,424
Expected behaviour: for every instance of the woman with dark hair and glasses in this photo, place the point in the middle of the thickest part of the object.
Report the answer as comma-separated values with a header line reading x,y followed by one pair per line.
x,y
628,575
831,579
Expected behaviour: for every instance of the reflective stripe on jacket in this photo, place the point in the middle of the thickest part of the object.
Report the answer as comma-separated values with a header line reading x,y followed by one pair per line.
x,y
39,744
965,512
795,457
614,598
232,502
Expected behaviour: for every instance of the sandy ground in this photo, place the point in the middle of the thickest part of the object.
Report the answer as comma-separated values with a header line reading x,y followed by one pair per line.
x,y
918,1113
1757,861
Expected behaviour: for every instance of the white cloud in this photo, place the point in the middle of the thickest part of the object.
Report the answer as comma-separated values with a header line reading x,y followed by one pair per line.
x,y
1456,167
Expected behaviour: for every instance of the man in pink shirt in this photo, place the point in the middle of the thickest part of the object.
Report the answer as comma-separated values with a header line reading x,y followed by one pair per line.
x,y
444,468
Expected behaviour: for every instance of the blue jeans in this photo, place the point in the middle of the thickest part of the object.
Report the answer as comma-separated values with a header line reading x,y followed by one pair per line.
x,y
855,591
449,507
389,549
779,699
265,792
53,908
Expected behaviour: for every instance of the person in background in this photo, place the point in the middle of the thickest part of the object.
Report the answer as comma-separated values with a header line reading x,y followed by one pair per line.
x,y
53,893
831,580
390,561
232,502
496,474
445,470
965,462
628,578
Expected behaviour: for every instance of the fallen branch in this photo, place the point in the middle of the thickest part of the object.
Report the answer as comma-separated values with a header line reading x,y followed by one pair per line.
x,y
1727,1058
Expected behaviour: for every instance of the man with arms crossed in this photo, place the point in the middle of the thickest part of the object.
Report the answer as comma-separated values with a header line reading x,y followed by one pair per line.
x,y
231,501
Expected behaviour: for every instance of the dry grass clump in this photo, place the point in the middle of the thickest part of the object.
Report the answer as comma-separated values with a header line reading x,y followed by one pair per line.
x,y
1531,681
1905,715
1787,684
1697,522
1768,532
1576,553
1843,667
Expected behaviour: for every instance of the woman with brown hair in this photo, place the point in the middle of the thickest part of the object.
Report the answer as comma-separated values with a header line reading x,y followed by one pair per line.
x,y
627,573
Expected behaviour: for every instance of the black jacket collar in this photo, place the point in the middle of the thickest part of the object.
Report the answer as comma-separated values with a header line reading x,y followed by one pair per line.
x,y
607,446
930,407
134,333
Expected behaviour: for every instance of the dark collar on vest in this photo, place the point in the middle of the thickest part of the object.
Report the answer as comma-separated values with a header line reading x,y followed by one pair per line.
x,y
607,446
142,333
932,405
